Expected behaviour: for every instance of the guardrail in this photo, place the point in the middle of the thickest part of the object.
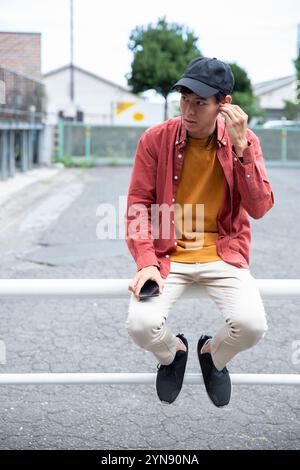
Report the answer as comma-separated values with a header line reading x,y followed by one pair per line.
x,y
118,288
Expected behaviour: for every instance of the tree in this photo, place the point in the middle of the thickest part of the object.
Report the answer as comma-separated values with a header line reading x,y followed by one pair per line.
x,y
161,53
292,108
242,94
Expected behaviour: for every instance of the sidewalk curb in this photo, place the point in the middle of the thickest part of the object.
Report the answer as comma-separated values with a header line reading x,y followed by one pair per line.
x,y
21,180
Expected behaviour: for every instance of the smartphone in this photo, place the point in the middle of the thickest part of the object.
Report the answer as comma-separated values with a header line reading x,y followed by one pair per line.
x,y
149,289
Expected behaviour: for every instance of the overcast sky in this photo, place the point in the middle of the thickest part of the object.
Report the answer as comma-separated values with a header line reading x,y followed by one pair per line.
x,y
259,35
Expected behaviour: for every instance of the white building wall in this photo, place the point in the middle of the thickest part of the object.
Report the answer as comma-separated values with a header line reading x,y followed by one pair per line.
x,y
94,97
275,99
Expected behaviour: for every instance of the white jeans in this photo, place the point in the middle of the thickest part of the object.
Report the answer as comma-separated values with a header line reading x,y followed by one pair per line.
x,y
233,290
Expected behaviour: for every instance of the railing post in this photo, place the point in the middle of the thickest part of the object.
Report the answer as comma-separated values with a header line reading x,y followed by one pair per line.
x,y
61,139
4,152
284,146
88,134
24,150
11,153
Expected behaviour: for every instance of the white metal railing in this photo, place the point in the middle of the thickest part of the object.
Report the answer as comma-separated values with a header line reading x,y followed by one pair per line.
x,y
118,288
139,378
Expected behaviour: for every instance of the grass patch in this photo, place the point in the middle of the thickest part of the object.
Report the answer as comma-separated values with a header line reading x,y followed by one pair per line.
x,y
76,162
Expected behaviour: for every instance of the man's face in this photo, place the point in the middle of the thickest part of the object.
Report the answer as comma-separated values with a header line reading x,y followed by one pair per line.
x,y
197,112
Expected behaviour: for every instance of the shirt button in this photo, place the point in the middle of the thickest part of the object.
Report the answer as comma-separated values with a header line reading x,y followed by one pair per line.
x,y
180,156
172,221
175,243
175,177
236,158
167,256
224,142
173,199
176,142
248,176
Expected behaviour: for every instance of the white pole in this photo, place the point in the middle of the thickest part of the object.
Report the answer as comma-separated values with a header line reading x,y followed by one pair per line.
x,y
118,288
139,378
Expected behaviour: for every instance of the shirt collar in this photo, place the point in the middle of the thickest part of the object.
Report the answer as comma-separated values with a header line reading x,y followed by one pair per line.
x,y
181,135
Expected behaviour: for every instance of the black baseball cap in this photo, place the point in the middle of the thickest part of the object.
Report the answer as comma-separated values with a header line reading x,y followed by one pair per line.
x,y
206,77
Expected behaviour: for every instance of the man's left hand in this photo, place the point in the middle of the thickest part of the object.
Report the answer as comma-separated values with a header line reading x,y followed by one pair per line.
x,y
236,120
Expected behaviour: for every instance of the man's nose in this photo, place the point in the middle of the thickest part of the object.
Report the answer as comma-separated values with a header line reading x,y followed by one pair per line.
x,y
190,109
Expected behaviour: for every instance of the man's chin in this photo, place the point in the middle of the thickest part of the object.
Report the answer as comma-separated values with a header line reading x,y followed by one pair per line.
x,y
190,125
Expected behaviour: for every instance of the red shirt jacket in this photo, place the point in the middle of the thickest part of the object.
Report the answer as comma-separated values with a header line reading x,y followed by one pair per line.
x,y
155,178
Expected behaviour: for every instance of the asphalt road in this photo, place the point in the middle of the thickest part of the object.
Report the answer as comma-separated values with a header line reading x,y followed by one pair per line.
x,y
48,230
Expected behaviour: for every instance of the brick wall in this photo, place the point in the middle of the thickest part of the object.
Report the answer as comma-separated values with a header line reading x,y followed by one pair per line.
x,y
21,52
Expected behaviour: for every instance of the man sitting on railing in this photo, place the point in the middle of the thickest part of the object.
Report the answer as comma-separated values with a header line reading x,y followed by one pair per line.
x,y
209,162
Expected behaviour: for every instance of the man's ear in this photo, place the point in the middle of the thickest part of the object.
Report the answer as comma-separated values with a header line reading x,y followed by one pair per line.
x,y
227,99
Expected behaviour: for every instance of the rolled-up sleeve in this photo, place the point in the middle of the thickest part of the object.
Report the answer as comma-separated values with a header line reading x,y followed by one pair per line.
x,y
141,194
253,184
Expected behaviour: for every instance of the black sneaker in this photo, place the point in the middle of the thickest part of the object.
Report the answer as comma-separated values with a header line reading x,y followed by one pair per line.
x,y
169,378
217,383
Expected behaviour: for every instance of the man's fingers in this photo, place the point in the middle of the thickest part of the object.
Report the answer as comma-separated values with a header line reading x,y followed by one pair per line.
x,y
138,287
133,283
231,113
234,118
240,110
160,283
228,114
140,278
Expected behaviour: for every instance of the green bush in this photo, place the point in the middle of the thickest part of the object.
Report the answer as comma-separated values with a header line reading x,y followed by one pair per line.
x,y
76,162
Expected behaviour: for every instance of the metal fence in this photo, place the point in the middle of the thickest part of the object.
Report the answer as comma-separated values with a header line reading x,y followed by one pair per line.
x,y
280,146
118,288
21,122
24,97
106,144
118,143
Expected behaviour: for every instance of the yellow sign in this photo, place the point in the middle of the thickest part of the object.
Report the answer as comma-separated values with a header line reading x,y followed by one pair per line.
x,y
123,105
138,116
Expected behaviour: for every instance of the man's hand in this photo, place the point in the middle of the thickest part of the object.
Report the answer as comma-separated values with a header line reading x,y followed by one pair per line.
x,y
149,272
236,120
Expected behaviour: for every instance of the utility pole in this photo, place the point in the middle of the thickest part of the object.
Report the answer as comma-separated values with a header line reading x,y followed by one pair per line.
x,y
72,52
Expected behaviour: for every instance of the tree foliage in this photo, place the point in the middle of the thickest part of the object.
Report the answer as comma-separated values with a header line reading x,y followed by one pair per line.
x,y
242,94
160,54
292,108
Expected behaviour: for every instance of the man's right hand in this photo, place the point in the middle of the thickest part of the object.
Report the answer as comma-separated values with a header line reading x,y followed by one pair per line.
x,y
149,272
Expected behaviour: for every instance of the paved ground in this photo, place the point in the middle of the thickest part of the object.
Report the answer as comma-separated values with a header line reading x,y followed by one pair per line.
x,y
47,231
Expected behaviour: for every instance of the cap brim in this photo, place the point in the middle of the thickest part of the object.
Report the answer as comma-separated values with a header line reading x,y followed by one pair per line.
x,y
199,88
